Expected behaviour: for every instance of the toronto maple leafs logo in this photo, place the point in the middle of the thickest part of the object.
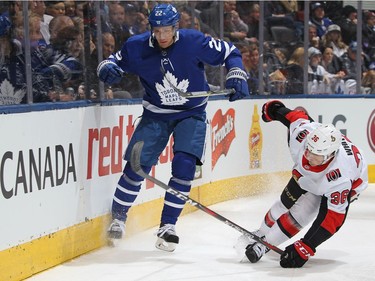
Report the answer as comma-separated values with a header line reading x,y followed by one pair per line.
x,y
167,94
8,95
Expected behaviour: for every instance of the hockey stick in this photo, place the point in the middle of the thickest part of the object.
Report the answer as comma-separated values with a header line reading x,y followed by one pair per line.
x,y
200,94
197,94
136,166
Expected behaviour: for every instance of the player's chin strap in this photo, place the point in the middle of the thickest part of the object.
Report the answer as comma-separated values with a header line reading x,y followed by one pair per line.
x,y
137,168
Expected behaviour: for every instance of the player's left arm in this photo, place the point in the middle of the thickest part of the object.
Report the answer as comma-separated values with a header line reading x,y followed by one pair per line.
x,y
218,52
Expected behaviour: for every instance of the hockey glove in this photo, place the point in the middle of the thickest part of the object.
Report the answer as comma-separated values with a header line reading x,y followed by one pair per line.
x,y
109,72
269,110
296,255
237,80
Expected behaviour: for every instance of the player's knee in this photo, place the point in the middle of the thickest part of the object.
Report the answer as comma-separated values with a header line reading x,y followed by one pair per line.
x,y
183,166
128,171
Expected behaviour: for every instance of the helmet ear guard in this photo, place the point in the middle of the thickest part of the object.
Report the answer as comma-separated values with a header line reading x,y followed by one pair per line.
x,y
325,140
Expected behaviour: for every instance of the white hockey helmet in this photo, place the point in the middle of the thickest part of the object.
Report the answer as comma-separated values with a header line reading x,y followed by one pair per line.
x,y
325,140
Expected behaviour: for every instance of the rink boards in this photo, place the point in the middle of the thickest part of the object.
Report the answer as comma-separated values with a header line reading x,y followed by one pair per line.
x,y
59,169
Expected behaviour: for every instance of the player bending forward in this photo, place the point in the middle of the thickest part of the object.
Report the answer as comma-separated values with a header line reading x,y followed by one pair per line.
x,y
329,173
163,57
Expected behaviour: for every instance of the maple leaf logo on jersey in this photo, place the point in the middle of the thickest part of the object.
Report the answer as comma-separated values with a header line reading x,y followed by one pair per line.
x,y
8,95
166,92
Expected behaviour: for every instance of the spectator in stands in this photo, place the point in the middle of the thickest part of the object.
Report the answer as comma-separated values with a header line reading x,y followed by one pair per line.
x,y
39,8
35,35
41,56
131,14
70,8
250,60
275,57
333,39
141,24
368,82
332,65
231,33
313,36
191,19
185,18
66,69
331,62
79,8
253,22
317,17
368,33
108,44
277,83
116,23
238,22
318,80
57,24
348,24
349,66
12,78
211,16
55,8
293,72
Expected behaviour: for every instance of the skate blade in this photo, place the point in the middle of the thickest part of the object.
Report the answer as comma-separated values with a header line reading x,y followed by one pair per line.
x,y
240,248
111,242
244,260
163,245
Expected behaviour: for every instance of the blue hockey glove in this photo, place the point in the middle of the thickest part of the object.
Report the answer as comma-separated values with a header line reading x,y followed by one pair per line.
x,y
296,255
109,72
237,80
269,110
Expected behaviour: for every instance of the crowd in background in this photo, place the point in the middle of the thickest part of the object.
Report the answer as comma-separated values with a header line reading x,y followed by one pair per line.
x,y
64,48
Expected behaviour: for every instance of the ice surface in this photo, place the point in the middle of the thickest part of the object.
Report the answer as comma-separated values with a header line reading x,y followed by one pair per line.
x,y
206,252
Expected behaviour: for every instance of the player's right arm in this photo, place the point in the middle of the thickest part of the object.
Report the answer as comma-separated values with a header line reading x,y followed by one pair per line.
x,y
275,110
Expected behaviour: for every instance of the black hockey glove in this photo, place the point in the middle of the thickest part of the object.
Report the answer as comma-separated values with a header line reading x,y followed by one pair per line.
x,y
269,110
296,255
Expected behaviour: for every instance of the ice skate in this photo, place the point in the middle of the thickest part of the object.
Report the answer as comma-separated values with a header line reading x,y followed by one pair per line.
x,y
254,252
115,232
167,238
243,242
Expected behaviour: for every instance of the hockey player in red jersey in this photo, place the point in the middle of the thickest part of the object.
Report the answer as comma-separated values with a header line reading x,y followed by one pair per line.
x,y
329,173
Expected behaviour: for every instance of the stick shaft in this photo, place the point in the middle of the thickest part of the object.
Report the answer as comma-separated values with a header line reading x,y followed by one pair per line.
x,y
206,93
136,166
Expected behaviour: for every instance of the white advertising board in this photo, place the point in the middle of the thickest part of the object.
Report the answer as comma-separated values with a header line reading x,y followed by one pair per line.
x,y
59,168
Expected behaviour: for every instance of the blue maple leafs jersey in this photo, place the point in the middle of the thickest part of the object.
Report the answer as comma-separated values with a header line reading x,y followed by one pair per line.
x,y
183,66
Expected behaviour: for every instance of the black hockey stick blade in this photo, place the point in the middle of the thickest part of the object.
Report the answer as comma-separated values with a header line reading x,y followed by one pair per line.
x,y
137,168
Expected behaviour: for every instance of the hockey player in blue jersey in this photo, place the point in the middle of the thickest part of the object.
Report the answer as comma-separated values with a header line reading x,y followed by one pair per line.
x,y
160,58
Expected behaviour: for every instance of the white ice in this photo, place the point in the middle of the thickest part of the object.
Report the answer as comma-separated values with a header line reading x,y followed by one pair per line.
x,y
206,252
